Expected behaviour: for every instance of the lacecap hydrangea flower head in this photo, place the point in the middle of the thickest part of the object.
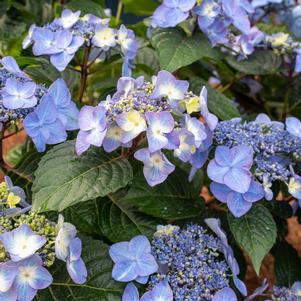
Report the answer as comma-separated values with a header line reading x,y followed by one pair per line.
x,y
148,118
47,113
179,264
30,244
251,157
64,36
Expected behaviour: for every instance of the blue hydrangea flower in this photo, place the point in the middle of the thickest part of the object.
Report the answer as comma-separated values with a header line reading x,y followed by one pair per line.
x,y
171,13
66,234
296,24
93,128
44,127
237,14
105,37
207,12
44,41
10,64
66,46
238,203
68,18
130,293
183,143
21,243
293,126
160,291
17,94
75,265
226,294
217,32
59,94
132,123
113,137
126,39
294,186
167,85
159,124
132,259
8,273
211,119
232,167
215,225
156,166
196,128
31,277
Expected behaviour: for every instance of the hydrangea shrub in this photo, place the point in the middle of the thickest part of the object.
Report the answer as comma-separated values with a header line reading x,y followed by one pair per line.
x,y
162,150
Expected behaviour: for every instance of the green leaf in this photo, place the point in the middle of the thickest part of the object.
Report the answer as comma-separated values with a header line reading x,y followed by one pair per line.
x,y
218,103
87,7
175,198
148,57
140,8
259,63
120,221
255,233
64,179
100,285
83,217
287,265
176,49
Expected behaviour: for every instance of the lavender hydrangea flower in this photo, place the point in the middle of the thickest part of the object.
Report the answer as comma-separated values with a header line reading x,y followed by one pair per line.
x,y
68,18
226,294
132,259
232,167
66,46
171,13
75,265
10,64
293,126
167,85
196,128
105,37
43,126
59,94
160,291
210,118
93,128
17,94
159,124
132,123
8,273
238,203
21,243
31,277
66,234
156,166
130,293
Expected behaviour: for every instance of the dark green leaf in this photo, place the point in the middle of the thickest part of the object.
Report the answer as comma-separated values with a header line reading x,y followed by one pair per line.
x,y
87,7
259,63
176,49
287,265
119,221
175,198
100,285
218,103
255,233
64,179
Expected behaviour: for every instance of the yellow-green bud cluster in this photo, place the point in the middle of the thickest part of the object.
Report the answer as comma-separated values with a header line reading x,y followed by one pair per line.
x,y
6,224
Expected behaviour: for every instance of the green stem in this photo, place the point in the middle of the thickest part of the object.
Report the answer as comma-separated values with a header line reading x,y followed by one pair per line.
x,y
119,12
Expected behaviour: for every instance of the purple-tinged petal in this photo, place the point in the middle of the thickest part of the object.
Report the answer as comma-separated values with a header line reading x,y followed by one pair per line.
x,y
242,156
77,271
124,271
226,294
237,205
120,252
130,293
139,245
223,156
293,126
255,192
217,172
8,273
238,179
220,191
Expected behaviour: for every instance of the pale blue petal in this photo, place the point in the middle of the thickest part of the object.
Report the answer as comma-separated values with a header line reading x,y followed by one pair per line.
x,y
139,245
237,179
120,252
242,156
293,126
226,294
240,286
124,271
237,205
220,191
223,156
146,265
130,293
217,172
77,271
255,192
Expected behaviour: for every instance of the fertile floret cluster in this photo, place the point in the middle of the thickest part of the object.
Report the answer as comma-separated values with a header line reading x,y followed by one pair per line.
x,y
63,37
184,264
157,112
192,262
29,244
